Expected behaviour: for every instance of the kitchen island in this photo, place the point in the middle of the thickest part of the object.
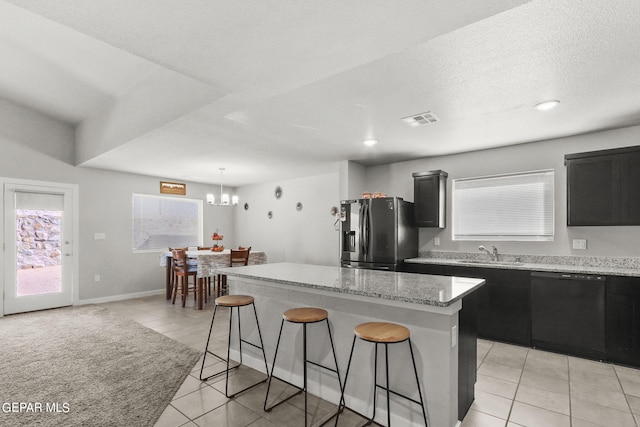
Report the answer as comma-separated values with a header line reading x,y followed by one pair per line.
x,y
430,306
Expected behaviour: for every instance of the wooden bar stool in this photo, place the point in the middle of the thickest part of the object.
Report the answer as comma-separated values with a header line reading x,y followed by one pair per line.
x,y
303,316
383,333
233,301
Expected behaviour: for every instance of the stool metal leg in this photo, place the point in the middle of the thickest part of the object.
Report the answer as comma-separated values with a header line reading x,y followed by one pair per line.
x,y
342,404
387,388
386,367
228,358
304,370
415,370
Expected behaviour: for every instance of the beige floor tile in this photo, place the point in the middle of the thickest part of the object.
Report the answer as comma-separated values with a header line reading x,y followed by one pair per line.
x,y
510,350
626,373
590,366
491,404
480,419
231,414
608,381
532,416
189,385
575,422
631,387
171,417
496,386
634,403
549,369
199,402
505,360
544,382
600,415
555,402
595,394
500,371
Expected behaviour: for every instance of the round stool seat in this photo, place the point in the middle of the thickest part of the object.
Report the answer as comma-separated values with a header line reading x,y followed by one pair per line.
x,y
305,315
234,300
382,332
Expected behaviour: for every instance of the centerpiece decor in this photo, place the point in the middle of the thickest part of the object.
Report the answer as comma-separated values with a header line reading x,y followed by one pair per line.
x,y
217,238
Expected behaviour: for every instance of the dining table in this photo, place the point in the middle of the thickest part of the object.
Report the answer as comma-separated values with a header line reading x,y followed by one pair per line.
x,y
206,260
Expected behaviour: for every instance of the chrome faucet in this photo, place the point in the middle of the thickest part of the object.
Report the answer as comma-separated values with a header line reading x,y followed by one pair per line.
x,y
493,255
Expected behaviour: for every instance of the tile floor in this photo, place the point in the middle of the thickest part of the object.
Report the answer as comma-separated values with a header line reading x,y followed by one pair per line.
x,y
516,386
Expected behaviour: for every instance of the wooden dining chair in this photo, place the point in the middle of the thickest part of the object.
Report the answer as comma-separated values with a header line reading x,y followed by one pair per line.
x,y
237,257
183,270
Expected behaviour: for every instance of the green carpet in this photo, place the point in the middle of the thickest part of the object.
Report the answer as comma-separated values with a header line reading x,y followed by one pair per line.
x,y
84,366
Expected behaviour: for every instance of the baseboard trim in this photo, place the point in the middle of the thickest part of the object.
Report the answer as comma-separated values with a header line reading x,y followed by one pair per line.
x,y
120,297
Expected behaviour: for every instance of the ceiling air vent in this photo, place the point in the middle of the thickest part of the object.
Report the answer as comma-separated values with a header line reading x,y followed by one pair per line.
x,y
421,119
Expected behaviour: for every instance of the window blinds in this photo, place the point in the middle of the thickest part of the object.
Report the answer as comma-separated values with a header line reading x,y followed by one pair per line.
x,y
514,207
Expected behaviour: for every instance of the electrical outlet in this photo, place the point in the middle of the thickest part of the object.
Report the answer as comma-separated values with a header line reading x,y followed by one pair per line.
x,y
579,244
96,278
436,241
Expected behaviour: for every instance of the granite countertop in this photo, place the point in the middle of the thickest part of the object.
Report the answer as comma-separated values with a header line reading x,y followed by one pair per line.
x,y
560,264
414,288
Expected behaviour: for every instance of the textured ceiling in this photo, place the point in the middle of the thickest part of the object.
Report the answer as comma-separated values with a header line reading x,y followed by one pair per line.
x,y
276,89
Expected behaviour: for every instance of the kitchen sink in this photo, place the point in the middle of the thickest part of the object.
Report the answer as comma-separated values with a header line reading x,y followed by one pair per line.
x,y
491,262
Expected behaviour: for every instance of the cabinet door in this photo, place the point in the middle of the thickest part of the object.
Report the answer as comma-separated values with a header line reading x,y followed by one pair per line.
x,y
630,189
428,197
593,191
623,320
504,303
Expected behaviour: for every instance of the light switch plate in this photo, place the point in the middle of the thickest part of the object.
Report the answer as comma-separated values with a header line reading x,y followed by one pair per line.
x,y
99,236
579,244
436,241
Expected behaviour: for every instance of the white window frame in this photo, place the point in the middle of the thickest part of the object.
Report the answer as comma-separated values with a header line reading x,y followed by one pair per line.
x,y
493,208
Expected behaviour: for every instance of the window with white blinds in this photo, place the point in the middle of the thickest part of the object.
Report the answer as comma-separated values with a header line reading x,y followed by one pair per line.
x,y
514,207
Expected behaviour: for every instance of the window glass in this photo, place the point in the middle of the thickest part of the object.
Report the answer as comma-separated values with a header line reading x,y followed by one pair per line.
x,y
514,207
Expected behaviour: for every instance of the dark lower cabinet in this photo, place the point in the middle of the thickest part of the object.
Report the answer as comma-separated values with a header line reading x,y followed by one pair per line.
x,y
504,302
623,320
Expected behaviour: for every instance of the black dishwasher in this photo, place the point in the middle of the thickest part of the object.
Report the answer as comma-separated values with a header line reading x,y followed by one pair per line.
x,y
567,313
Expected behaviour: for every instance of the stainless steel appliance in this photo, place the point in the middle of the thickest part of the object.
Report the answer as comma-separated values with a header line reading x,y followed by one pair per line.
x,y
377,233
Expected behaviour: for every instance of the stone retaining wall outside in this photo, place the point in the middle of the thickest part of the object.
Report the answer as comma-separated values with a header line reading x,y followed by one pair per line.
x,y
38,238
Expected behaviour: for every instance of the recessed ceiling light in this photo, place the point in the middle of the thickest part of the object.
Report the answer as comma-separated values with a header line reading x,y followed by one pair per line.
x,y
370,142
546,105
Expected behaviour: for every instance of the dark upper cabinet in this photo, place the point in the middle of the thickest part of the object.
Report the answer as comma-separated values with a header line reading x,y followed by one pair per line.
x,y
623,320
429,197
603,187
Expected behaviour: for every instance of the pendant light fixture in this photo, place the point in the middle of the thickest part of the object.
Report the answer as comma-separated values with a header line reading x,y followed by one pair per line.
x,y
224,197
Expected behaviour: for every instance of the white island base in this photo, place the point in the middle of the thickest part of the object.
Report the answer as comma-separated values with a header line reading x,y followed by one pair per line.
x,y
434,335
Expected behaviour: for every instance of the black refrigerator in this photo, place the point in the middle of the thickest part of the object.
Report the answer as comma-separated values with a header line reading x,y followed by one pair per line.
x,y
377,233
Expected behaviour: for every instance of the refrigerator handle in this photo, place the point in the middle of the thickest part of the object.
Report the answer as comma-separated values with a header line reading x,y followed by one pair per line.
x,y
364,244
367,229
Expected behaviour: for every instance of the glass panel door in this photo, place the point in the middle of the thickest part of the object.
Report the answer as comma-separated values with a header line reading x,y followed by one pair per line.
x,y
38,255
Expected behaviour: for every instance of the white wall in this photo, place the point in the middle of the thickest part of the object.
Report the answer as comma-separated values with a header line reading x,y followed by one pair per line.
x,y
306,236
396,179
104,206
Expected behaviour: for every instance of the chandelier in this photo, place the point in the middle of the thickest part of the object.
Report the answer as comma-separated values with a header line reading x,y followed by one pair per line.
x,y
224,198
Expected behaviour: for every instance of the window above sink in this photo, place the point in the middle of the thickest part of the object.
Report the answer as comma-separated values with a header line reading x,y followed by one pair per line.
x,y
510,207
